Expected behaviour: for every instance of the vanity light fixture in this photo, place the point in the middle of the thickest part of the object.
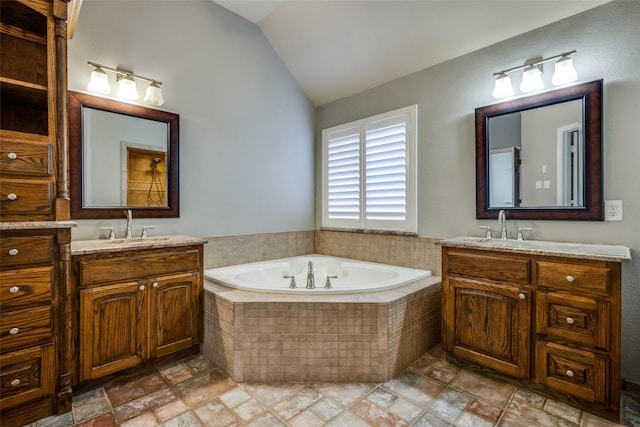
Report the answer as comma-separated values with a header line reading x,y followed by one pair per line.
x,y
127,87
564,73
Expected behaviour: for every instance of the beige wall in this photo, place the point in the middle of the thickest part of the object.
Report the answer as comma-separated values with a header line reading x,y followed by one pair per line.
x,y
607,40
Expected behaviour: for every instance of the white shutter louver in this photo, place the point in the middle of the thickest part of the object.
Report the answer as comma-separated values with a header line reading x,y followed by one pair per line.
x,y
343,163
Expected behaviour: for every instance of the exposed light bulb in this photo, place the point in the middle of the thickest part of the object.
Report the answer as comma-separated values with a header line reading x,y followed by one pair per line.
x,y
127,88
99,82
564,72
154,94
503,86
531,79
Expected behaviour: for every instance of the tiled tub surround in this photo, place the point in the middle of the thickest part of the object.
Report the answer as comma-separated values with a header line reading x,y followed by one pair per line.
x,y
369,337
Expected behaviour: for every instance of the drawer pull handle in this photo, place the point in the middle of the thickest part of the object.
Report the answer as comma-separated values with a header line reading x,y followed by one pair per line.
x,y
522,296
142,287
12,196
570,320
13,252
570,373
14,331
12,156
570,279
14,290
155,284
15,383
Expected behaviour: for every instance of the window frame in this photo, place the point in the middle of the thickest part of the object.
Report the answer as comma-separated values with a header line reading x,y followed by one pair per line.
x,y
410,222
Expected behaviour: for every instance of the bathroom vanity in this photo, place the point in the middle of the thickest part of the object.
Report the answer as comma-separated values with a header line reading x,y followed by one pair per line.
x,y
139,300
542,311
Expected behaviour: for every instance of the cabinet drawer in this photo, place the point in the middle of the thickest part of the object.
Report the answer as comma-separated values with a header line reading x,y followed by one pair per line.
x,y
579,278
25,158
25,196
25,250
25,328
581,320
25,288
571,371
491,266
26,375
138,266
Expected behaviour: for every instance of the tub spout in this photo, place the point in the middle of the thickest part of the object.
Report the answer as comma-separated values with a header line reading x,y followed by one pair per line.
x,y
310,279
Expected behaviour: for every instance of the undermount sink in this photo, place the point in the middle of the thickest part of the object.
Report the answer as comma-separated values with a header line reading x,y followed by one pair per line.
x,y
79,247
134,240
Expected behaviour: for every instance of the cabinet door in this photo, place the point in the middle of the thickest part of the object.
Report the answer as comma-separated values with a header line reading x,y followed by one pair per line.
x,y
113,335
174,309
489,324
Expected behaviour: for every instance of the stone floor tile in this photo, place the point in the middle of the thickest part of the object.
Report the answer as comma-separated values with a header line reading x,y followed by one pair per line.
x,y
307,419
272,394
539,416
92,409
376,415
145,403
203,387
214,413
199,364
87,397
496,392
326,409
348,419
484,410
248,409
509,419
530,397
382,397
170,410
430,420
467,419
439,375
345,393
104,420
563,410
176,373
415,388
62,420
234,397
297,403
186,419
405,409
123,391
590,420
266,420
144,420
450,404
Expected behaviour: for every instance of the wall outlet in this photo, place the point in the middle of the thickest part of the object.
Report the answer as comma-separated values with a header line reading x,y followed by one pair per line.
x,y
613,210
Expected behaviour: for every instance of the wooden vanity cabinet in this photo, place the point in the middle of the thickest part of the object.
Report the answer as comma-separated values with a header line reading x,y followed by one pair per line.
x,y
136,306
549,319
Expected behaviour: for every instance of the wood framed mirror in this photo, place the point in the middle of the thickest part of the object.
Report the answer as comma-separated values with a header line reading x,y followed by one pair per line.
x,y
122,156
540,157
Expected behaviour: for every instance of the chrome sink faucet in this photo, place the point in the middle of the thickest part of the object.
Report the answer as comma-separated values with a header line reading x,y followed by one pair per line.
x,y
129,234
310,279
502,220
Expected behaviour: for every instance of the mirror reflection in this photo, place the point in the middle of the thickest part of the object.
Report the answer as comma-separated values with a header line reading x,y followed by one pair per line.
x,y
536,157
125,160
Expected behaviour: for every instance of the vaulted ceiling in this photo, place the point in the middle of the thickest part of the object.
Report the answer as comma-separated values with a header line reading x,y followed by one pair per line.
x,y
337,48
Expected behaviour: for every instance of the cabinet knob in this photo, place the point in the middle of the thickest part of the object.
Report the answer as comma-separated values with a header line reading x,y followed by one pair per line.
x,y
12,196
14,290
570,279
522,296
14,331
12,156
155,284
15,383
142,287
570,373
13,252
570,320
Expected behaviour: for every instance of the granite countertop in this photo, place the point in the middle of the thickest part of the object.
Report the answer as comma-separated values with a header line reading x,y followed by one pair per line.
x,y
35,225
538,247
84,247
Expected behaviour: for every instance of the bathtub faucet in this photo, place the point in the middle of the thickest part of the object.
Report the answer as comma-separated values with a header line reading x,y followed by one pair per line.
x,y
310,279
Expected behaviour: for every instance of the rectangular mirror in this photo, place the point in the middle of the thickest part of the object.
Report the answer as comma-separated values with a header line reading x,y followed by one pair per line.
x,y
122,156
540,157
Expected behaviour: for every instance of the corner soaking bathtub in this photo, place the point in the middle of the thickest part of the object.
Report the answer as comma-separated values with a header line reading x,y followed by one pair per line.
x,y
346,275
375,321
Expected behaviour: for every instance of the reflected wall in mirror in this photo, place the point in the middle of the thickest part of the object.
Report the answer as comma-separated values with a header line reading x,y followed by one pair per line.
x,y
122,156
540,157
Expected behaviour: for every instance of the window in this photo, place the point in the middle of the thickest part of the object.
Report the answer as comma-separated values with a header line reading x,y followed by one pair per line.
x,y
369,173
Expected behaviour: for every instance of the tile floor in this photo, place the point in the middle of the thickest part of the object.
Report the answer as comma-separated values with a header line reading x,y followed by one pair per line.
x,y
432,392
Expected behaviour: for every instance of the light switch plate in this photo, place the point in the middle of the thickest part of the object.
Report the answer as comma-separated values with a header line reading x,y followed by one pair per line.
x,y
613,210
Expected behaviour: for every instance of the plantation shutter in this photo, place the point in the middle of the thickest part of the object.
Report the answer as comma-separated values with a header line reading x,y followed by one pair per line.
x,y
343,163
385,169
